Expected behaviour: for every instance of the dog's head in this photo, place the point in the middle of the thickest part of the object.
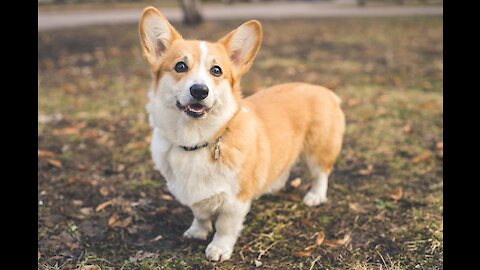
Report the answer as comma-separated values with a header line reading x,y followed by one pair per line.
x,y
195,81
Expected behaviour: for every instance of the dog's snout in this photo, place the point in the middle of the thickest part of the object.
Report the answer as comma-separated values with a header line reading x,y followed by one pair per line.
x,y
199,91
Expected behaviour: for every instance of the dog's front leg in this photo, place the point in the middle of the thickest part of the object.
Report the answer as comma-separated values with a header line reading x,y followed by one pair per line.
x,y
201,225
228,226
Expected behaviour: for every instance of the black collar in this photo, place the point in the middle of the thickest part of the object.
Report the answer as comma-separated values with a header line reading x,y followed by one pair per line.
x,y
216,149
196,147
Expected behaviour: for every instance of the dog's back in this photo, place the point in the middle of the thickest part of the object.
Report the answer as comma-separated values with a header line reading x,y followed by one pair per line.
x,y
299,118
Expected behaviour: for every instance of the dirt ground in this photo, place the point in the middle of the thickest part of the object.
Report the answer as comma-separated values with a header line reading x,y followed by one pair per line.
x,y
102,203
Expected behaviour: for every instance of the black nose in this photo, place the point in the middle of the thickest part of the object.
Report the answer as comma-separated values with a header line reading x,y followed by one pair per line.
x,y
199,91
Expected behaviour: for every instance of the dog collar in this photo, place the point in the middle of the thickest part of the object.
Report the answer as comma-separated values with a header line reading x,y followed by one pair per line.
x,y
193,148
216,151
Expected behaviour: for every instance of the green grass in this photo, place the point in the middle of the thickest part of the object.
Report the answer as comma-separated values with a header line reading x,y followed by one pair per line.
x,y
389,74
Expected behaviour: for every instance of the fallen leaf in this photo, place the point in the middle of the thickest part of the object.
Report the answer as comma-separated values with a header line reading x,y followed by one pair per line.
x,y
120,168
357,208
318,241
87,211
422,157
112,220
380,216
135,145
294,197
339,242
70,88
161,210
307,222
103,205
439,145
296,182
90,133
366,171
166,197
77,202
303,253
309,248
55,163
258,263
156,239
104,191
397,195
45,153
65,131
320,238
90,267
407,128
124,223
352,102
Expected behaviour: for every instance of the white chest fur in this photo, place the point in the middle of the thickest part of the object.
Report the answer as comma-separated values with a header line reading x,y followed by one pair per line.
x,y
191,175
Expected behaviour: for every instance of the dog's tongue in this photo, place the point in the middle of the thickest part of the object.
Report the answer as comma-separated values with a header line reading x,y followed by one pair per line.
x,y
198,108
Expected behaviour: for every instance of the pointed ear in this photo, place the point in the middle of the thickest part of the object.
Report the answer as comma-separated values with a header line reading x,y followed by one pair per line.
x,y
242,45
156,35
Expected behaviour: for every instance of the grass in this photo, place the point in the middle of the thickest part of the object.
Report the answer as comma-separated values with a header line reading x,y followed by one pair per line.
x,y
389,74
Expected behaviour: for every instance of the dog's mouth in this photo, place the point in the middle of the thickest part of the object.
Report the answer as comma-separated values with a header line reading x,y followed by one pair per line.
x,y
195,110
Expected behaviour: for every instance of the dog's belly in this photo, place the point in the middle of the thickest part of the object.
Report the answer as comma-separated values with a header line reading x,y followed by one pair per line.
x,y
191,175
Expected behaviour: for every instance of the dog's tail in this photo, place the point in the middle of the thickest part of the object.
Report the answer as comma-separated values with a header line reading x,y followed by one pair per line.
x,y
336,98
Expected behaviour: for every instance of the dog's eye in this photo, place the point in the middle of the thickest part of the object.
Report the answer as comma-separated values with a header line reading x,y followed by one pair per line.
x,y
216,71
181,67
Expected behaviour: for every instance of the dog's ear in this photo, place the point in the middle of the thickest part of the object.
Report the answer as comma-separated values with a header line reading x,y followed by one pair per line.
x,y
242,45
156,35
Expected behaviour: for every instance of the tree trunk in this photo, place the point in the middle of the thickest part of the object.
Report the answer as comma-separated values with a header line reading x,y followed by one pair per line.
x,y
191,12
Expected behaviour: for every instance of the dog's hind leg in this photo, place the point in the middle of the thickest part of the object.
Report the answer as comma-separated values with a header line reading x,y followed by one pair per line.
x,y
318,192
323,145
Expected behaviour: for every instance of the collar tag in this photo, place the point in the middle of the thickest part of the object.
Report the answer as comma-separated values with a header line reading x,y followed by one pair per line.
x,y
216,152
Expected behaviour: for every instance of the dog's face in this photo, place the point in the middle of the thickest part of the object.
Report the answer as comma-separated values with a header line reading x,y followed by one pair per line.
x,y
195,80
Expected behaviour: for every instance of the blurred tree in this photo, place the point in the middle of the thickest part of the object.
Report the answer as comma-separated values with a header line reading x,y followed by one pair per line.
x,y
191,11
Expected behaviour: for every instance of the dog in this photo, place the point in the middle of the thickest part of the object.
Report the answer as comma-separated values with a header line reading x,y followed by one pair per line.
x,y
219,151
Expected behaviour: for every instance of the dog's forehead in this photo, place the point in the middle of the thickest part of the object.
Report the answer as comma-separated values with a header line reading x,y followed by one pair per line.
x,y
198,49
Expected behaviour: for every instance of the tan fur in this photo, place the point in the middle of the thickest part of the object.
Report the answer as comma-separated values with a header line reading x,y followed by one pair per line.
x,y
283,121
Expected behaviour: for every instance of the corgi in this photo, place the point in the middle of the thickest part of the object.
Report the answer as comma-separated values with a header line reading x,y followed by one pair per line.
x,y
219,151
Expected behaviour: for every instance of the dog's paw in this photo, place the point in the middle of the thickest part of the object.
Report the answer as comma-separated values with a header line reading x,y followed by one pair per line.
x,y
196,232
215,253
312,199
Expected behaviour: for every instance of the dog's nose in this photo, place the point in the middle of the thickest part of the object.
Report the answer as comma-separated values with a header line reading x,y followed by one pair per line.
x,y
199,91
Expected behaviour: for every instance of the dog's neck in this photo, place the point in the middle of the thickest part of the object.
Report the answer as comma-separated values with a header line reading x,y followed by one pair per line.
x,y
216,138
190,133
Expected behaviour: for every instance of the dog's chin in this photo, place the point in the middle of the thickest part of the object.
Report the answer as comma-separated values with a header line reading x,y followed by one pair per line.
x,y
194,110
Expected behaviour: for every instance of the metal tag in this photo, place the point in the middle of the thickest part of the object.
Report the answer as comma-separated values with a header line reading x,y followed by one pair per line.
x,y
216,152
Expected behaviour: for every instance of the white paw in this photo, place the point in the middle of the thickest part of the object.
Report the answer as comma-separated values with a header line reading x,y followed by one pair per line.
x,y
196,232
313,199
215,253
